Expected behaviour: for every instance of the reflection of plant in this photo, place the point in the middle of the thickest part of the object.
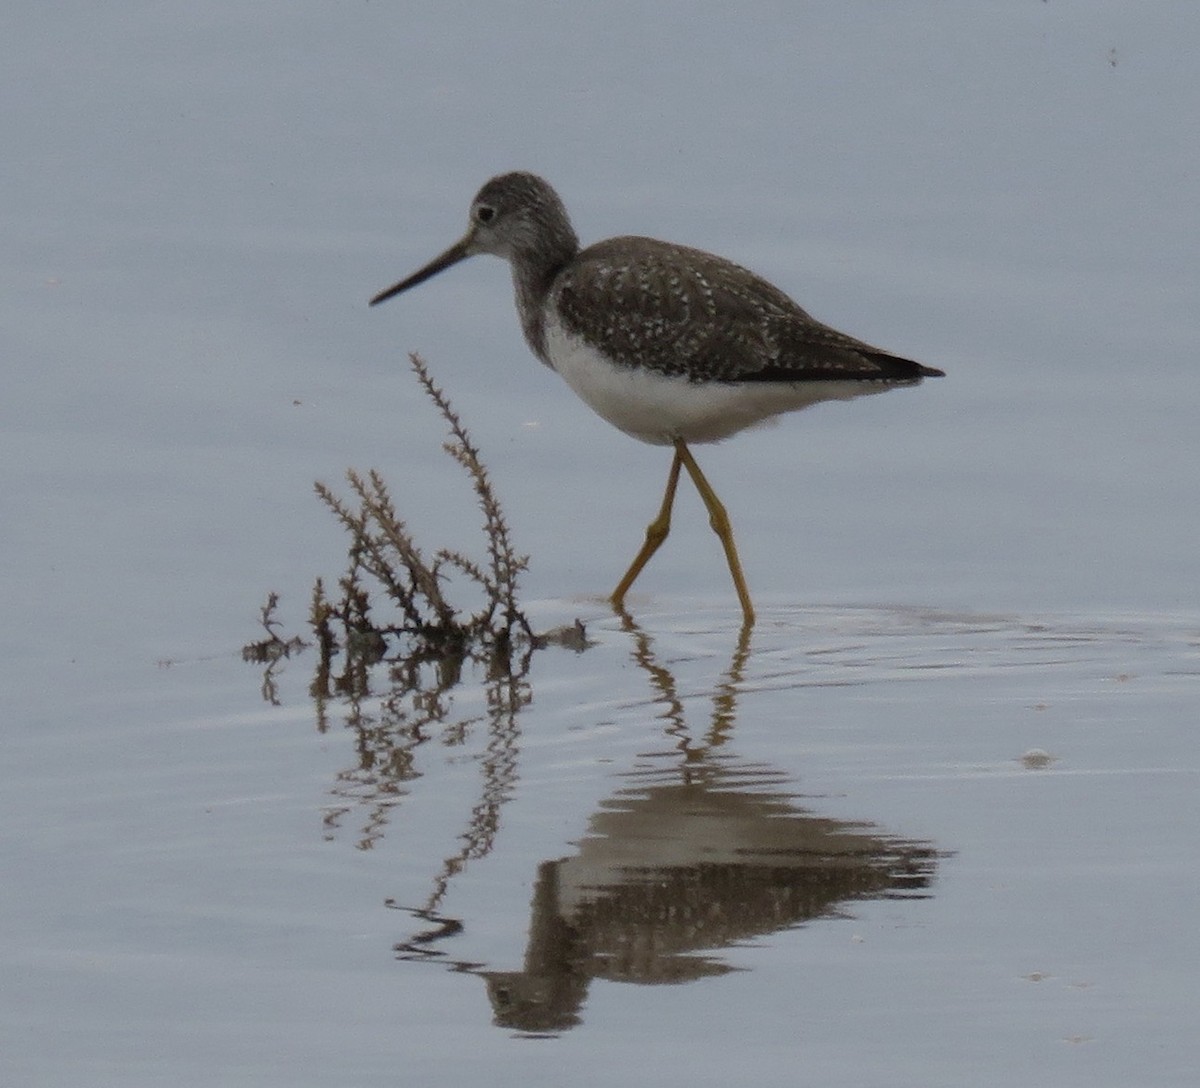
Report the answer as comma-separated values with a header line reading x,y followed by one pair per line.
x,y
413,700
394,645
271,650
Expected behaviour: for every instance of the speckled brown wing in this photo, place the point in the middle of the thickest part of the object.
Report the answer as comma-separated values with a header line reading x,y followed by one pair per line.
x,y
683,312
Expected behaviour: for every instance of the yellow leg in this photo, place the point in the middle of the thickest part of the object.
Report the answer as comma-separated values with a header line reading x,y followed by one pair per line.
x,y
656,531
718,518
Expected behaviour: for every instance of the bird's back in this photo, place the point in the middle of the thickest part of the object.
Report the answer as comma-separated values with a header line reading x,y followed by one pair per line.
x,y
685,313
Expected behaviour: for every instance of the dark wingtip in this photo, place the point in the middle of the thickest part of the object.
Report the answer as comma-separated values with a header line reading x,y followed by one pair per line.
x,y
897,367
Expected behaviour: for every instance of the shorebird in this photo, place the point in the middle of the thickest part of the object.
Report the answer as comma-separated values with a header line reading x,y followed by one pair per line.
x,y
672,345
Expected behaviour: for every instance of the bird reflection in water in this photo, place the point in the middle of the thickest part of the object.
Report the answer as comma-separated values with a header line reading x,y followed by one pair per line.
x,y
697,851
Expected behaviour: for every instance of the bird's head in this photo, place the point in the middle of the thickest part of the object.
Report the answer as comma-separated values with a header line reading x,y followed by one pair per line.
x,y
516,216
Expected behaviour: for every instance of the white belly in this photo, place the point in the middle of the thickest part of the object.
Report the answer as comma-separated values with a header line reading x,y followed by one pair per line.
x,y
659,409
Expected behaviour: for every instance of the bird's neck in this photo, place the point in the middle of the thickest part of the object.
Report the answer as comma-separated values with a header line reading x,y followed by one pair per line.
x,y
533,276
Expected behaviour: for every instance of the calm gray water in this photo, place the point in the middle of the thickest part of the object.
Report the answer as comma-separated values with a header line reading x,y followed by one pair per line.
x,y
816,857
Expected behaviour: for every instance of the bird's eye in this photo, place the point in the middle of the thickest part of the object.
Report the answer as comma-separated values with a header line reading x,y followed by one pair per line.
x,y
485,213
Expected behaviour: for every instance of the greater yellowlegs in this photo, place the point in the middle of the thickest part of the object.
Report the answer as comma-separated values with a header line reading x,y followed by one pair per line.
x,y
669,344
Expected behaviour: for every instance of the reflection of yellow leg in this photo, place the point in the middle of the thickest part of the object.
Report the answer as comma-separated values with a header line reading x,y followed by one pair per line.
x,y
656,531
719,520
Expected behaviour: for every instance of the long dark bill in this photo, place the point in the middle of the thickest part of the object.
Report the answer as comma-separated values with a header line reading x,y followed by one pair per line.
x,y
453,255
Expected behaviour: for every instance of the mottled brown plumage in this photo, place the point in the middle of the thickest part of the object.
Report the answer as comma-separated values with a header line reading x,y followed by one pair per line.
x,y
684,312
